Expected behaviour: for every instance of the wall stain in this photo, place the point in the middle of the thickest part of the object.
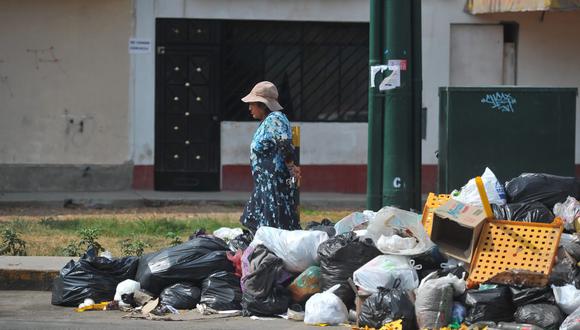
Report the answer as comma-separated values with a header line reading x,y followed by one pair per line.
x,y
78,129
5,81
45,55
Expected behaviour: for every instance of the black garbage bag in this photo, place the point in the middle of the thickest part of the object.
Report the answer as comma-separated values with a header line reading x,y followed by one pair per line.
x,y
340,257
241,242
221,291
385,306
573,248
325,225
565,270
275,303
544,188
489,305
536,295
546,316
91,277
191,262
430,261
262,295
525,212
180,296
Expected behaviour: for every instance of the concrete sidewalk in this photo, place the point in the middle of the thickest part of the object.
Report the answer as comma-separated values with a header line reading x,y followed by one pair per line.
x,y
144,198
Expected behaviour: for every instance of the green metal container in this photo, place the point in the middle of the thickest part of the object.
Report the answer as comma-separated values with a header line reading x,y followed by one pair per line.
x,y
511,130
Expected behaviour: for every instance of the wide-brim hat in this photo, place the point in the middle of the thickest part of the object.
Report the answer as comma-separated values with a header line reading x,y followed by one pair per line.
x,y
264,92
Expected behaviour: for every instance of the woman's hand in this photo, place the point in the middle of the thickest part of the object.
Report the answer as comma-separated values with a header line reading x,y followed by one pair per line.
x,y
294,171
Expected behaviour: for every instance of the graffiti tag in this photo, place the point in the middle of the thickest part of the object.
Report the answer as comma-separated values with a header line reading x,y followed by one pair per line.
x,y
501,101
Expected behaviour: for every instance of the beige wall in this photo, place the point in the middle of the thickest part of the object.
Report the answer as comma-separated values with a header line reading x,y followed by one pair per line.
x,y
64,81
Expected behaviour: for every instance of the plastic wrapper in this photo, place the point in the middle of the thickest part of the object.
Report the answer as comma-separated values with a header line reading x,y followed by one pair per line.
x,y
458,313
180,296
325,308
340,257
305,285
385,271
325,225
391,221
536,295
489,305
263,293
569,210
434,301
297,248
567,298
91,277
525,212
572,322
353,221
494,190
388,305
221,291
544,188
546,316
236,260
191,262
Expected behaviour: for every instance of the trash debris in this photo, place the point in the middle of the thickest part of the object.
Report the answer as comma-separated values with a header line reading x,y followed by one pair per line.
x,y
572,322
385,306
527,296
386,271
236,260
489,305
353,222
305,285
241,242
124,288
545,316
494,190
191,261
91,277
297,248
544,188
227,234
340,257
180,296
221,291
564,270
434,300
568,211
325,308
325,225
429,261
526,212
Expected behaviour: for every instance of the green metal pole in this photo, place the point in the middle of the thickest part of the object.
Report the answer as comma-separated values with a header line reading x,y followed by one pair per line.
x,y
417,76
375,112
400,134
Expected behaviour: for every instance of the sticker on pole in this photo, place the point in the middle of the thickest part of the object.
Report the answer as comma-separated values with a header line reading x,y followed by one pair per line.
x,y
392,81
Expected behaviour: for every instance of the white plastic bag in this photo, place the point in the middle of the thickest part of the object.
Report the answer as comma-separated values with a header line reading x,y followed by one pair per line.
x,y
126,287
572,322
384,271
353,221
297,248
228,234
390,221
568,211
567,297
397,243
494,190
325,308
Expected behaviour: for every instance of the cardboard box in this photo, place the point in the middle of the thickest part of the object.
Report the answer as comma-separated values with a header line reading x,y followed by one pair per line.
x,y
456,229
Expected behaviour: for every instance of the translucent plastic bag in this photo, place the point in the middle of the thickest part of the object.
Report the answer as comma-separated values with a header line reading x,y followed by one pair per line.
x,y
391,221
385,271
228,234
325,308
353,221
567,298
297,248
568,211
572,322
494,190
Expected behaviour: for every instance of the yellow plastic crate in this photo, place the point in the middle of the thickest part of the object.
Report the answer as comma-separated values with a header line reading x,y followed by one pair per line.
x,y
515,252
433,202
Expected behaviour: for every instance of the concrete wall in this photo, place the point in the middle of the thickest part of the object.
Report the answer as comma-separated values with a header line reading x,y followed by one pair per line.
x,y
64,91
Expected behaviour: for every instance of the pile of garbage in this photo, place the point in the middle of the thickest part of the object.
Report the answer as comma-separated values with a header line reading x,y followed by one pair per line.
x,y
388,269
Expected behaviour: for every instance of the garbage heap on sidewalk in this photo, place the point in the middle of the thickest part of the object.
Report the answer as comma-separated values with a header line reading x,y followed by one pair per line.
x,y
487,256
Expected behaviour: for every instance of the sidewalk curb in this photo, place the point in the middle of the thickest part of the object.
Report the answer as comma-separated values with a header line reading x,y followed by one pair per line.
x,y
26,279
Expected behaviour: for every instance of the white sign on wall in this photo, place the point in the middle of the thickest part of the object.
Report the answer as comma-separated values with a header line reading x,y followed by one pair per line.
x,y
139,46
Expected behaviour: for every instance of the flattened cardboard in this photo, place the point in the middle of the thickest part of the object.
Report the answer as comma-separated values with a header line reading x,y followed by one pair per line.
x,y
456,229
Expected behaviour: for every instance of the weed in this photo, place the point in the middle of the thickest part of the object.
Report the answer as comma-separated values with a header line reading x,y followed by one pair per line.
x,y
72,249
174,238
11,243
133,247
89,237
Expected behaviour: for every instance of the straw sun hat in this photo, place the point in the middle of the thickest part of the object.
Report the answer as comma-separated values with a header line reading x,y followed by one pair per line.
x,y
264,92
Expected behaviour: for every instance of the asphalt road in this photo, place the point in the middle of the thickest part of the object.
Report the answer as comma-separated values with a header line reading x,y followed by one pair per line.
x,y
32,310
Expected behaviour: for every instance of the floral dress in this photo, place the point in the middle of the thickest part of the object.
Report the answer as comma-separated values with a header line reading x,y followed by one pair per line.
x,y
272,202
